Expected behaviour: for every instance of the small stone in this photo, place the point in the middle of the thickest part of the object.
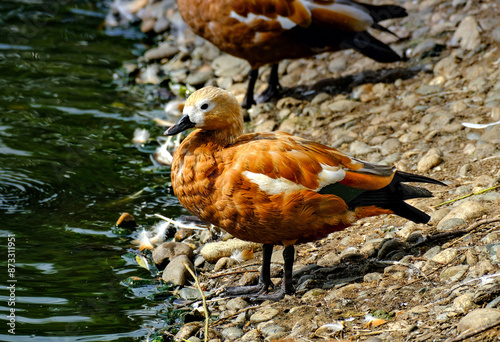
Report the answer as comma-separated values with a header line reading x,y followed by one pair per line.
x,y
438,215
371,277
176,271
342,106
313,294
390,146
483,267
183,234
231,333
270,329
251,336
446,67
426,89
229,66
450,224
453,273
169,250
264,314
432,158
464,302
224,263
160,52
200,77
187,330
216,250
467,210
466,168
493,237
477,319
467,34
337,64
446,256
360,148
483,181
431,253
237,303
495,34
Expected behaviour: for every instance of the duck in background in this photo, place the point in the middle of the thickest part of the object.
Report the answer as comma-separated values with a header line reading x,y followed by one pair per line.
x,y
275,188
268,31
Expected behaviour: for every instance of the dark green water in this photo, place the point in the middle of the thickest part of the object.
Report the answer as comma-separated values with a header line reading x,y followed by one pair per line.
x,y
67,170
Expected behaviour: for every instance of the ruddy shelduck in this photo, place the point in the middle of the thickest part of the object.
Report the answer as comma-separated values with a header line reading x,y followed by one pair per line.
x,y
268,31
275,188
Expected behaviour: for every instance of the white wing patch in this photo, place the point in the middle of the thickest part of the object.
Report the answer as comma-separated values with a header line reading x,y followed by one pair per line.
x,y
276,186
329,175
285,23
273,186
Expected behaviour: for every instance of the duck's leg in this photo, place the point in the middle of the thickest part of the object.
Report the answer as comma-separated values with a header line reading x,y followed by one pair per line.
x,y
273,86
249,100
286,284
264,278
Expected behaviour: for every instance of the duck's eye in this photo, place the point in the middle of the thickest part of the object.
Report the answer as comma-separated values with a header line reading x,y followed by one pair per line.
x,y
204,106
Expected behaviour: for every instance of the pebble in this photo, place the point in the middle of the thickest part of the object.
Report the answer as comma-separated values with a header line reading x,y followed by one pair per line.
x,y
187,330
231,333
160,52
360,148
467,211
251,336
269,329
343,106
176,272
464,302
165,252
467,34
446,256
453,273
432,158
237,303
313,294
264,314
229,66
371,277
390,146
216,250
477,319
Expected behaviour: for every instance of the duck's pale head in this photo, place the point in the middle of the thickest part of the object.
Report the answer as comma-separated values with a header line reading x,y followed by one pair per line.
x,y
210,109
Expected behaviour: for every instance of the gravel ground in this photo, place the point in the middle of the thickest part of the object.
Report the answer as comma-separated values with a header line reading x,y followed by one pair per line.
x,y
384,278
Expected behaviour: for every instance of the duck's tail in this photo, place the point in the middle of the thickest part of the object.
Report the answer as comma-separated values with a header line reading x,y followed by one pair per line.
x,y
392,197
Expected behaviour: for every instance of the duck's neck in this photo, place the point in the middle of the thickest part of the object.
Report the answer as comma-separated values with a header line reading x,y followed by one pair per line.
x,y
223,137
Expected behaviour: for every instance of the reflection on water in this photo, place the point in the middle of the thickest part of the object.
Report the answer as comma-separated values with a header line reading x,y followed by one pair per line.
x,y
67,170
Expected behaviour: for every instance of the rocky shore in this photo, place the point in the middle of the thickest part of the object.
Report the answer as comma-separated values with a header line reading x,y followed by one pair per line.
x,y
383,279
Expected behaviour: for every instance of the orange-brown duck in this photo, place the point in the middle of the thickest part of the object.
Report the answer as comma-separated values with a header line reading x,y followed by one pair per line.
x,y
275,188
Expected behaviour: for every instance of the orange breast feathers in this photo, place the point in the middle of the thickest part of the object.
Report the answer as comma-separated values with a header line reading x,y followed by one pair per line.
x,y
264,188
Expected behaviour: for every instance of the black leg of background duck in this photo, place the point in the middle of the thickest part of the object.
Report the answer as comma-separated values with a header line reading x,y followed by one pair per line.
x,y
264,278
273,86
249,100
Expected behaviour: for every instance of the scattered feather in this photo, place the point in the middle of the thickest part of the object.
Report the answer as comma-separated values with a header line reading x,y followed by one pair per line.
x,y
372,321
241,256
159,229
144,241
162,156
329,330
126,221
479,126
175,107
141,136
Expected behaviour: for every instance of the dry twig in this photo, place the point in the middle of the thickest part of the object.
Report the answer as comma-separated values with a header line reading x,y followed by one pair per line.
x,y
205,309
